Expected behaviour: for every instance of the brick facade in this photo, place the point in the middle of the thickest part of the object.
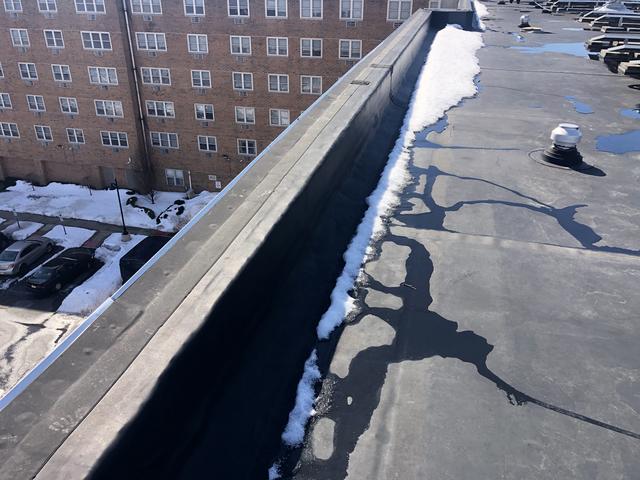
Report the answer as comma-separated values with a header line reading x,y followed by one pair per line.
x,y
141,163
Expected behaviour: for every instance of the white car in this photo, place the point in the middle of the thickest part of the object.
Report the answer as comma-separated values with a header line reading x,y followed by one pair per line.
x,y
19,256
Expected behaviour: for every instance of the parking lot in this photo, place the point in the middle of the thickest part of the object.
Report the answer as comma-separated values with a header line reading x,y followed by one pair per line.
x,y
31,324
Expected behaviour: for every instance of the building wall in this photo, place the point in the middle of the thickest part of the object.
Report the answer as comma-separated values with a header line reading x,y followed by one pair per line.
x,y
94,163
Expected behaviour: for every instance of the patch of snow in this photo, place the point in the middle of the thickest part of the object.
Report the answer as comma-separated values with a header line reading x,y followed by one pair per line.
x,y
74,237
85,298
274,472
76,201
25,230
446,78
293,434
481,12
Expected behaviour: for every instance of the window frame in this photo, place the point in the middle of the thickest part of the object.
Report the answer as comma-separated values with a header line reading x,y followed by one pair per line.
x,y
198,38
174,176
311,48
244,109
95,4
35,70
69,101
22,39
247,140
237,6
46,40
311,77
278,77
205,105
207,137
242,74
279,111
108,106
166,107
276,16
62,73
195,7
155,36
47,3
75,135
351,18
151,76
107,70
13,8
34,102
7,126
160,136
351,41
277,39
241,37
399,2
44,129
120,136
91,33
311,10
5,101
200,72
142,12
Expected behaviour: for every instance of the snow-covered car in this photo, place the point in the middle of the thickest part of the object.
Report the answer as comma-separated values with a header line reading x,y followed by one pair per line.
x,y
61,270
19,256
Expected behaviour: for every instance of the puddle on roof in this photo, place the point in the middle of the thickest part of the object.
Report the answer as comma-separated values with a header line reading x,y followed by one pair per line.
x,y
579,106
630,112
439,127
575,49
519,37
623,143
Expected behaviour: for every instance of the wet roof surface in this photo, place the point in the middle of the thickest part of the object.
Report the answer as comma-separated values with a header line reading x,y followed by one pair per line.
x,y
499,331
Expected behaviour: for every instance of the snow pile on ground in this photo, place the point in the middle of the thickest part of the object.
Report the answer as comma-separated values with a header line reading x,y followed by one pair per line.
x,y
26,229
481,12
74,236
76,201
447,78
85,298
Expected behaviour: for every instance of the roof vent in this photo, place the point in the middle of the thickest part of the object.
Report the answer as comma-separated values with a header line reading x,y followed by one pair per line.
x,y
524,21
563,151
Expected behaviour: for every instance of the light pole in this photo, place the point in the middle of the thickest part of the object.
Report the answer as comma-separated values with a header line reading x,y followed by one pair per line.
x,y
125,232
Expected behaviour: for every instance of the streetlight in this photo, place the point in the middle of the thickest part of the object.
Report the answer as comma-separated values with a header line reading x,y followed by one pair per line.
x,y
125,232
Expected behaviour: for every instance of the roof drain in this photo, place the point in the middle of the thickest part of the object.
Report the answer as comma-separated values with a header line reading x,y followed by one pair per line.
x,y
563,152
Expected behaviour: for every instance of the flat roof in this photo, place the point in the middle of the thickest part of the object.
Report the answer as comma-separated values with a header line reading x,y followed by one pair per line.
x,y
500,332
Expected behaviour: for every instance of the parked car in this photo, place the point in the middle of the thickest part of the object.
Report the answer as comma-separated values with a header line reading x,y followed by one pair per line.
x,y
19,256
4,241
61,270
135,258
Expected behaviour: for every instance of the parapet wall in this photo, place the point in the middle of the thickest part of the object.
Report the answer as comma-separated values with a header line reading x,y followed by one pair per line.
x,y
230,307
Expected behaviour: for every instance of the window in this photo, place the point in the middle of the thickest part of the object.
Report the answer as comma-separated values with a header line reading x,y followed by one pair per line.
x,y
278,117
36,103
201,78
398,10
151,41
238,8
351,9
5,101
75,135
114,139
247,147
89,6
207,143
350,49
242,81
1,71
47,6
194,7
28,71
311,47
103,75
197,43
9,130
43,132
276,8
175,178
164,139
13,5
240,45
19,37
108,108
96,40
278,82
245,115
310,84
146,7
310,8
61,73
53,38
156,76
204,111
68,104
278,46
160,109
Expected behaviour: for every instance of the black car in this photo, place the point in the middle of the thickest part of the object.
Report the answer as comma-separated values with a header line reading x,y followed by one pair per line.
x,y
61,270
135,258
4,241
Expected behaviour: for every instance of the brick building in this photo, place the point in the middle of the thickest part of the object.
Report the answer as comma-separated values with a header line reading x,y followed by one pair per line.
x,y
168,93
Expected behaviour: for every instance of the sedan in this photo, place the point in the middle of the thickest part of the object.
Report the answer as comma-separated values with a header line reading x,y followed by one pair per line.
x,y
61,270
19,256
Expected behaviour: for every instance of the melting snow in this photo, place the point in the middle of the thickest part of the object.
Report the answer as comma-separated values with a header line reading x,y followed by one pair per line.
x,y
74,236
26,229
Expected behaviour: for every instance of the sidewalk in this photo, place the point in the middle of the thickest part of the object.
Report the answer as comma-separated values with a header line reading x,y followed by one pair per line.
x,y
72,222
